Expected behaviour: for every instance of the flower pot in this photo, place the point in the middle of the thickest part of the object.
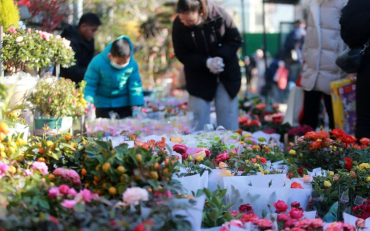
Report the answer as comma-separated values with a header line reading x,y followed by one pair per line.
x,y
23,85
63,125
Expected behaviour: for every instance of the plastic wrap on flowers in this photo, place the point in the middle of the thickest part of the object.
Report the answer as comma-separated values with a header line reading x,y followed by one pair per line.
x,y
364,224
193,183
194,213
300,192
258,191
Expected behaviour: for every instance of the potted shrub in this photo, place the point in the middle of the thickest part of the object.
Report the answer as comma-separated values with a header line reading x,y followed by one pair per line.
x,y
56,101
25,49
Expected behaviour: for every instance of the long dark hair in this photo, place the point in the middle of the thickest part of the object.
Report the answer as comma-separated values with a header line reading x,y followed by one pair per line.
x,y
185,6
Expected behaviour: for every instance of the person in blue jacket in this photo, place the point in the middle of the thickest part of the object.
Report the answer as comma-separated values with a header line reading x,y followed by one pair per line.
x,y
112,80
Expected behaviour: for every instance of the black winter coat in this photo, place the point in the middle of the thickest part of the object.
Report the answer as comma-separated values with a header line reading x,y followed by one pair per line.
x,y
217,36
84,53
355,31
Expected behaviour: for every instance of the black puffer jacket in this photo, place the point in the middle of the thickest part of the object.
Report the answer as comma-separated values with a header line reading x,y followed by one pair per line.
x,y
217,36
355,31
84,53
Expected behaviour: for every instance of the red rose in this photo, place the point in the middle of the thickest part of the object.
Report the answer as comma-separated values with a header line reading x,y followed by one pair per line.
x,y
304,224
315,145
300,171
338,133
317,224
365,141
264,224
295,204
290,223
296,213
245,208
184,156
296,185
348,139
222,157
322,134
180,148
348,163
263,160
283,217
280,206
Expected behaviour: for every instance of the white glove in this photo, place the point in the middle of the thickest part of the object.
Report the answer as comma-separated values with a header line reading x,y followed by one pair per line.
x,y
215,65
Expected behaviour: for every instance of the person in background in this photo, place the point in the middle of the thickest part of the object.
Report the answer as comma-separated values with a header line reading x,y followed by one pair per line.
x,y
355,32
113,82
82,43
322,46
206,41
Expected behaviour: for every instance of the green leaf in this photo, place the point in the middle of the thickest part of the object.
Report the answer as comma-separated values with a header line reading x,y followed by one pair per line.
x,y
228,216
207,192
44,204
79,208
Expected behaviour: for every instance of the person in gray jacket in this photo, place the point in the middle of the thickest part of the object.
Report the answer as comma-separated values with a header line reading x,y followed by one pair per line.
x,y
322,46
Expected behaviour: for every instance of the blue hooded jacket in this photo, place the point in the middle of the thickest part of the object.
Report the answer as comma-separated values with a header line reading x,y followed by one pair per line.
x,y
108,87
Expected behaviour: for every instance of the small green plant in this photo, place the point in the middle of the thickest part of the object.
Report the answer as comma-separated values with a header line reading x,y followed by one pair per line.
x,y
215,211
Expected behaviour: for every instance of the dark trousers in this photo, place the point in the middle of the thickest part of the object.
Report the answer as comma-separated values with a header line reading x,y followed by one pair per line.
x,y
123,112
363,100
311,107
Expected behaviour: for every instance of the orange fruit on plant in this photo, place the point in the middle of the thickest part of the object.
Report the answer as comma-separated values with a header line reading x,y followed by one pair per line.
x,y
106,167
139,158
41,150
67,136
50,144
83,172
4,128
51,176
153,175
113,152
112,191
121,169
41,159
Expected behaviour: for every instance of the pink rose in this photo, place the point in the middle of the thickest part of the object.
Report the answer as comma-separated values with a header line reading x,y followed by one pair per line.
x,y
290,223
53,192
41,166
280,206
134,195
76,182
73,174
61,172
223,229
64,189
206,150
296,213
264,224
3,169
335,226
222,157
304,223
180,148
72,192
360,223
283,217
69,204
234,213
87,195
297,229
12,30
317,223
249,217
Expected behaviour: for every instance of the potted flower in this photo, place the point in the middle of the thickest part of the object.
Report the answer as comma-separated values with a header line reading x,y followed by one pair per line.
x,y
25,49
57,100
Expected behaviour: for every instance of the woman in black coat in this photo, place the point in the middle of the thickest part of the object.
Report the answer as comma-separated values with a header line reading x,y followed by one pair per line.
x,y
206,40
355,31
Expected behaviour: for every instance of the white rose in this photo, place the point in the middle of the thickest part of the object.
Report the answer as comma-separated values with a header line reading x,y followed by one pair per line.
x,y
19,39
134,195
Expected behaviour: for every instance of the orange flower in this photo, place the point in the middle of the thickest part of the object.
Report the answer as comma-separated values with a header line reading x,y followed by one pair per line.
x,y
315,145
296,185
311,136
337,133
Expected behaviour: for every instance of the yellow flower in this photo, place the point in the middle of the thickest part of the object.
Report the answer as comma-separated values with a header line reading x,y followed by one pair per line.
x,y
247,135
256,147
367,179
364,165
260,169
190,157
292,152
267,171
200,158
257,165
247,161
327,184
